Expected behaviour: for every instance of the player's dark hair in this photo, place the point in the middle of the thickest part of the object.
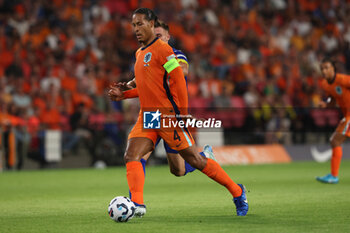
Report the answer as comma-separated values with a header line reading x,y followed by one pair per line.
x,y
331,61
161,24
148,13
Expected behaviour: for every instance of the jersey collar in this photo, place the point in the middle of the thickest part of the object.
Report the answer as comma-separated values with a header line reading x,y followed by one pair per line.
x,y
332,81
149,44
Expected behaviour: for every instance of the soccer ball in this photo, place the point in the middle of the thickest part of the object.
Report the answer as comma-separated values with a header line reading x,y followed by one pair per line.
x,y
121,209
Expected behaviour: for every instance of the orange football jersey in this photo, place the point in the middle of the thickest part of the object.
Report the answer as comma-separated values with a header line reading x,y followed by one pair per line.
x,y
340,91
156,88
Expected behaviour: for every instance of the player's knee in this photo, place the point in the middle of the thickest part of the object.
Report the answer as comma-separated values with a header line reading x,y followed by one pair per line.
x,y
334,141
177,172
126,157
129,156
331,141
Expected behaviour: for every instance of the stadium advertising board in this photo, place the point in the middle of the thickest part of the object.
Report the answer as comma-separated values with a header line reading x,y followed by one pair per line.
x,y
252,154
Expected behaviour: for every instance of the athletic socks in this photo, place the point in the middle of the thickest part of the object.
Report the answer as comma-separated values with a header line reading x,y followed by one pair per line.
x,y
188,167
135,174
136,180
215,172
336,159
143,162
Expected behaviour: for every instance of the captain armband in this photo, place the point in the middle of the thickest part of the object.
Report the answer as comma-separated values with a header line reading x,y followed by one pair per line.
x,y
171,65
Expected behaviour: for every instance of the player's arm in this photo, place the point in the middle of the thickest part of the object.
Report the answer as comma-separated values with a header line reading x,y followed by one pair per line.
x,y
175,72
116,94
184,67
122,90
124,86
132,93
131,84
328,103
130,90
182,59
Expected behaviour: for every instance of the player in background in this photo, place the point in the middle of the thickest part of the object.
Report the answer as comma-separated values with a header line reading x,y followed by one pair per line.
x,y
177,165
161,85
337,86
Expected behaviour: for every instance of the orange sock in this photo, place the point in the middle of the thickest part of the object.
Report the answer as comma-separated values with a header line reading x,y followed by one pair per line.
x,y
136,180
336,159
215,172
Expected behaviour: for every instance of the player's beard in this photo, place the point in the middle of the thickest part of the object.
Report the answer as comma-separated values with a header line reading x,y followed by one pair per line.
x,y
140,38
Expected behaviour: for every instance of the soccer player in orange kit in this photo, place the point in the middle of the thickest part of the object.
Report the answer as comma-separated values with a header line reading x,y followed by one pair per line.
x,y
177,165
338,87
161,85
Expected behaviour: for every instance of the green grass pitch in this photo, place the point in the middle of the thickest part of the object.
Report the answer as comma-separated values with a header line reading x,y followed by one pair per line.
x,y
282,198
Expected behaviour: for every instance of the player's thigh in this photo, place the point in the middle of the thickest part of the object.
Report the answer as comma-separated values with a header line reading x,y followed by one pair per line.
x,y
180,139
175,161
140,142
176,164
139,132
146,156
137,147
177,138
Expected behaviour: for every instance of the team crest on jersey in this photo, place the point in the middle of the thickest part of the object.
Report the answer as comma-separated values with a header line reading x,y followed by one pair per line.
x,y
338,90
147,57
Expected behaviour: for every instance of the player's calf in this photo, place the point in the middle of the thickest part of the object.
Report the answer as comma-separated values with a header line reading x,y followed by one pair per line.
x,y
192,157
176,164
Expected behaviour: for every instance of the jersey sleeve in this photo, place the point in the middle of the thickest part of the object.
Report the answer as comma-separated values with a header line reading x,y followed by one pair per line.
x,y
165,54
177,80
344,80
129,94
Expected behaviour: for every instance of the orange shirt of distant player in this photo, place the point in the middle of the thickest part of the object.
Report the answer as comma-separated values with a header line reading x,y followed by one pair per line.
x,y
340,91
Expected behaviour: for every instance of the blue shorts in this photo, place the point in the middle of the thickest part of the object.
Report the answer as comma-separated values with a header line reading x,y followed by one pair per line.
x,y
167,148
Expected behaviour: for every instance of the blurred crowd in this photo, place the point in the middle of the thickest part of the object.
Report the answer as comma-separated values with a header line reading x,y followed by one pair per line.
x,y
57,59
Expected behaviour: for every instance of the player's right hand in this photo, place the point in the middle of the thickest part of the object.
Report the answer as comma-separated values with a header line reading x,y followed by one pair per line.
x,y
125,86
115,94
